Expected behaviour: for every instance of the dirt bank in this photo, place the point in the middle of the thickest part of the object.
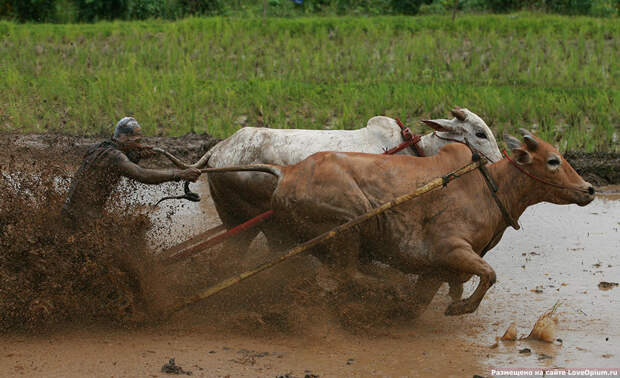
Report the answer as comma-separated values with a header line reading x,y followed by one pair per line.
x,y
600,168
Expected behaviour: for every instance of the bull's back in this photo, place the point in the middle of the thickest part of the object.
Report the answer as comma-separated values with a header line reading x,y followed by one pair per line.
x,y
341,186
284,147
241,195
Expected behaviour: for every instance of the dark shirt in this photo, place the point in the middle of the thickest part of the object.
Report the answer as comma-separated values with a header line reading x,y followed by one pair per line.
x,y
93,182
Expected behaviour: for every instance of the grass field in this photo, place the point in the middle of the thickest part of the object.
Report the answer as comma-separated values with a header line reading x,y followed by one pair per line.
x,y
556,75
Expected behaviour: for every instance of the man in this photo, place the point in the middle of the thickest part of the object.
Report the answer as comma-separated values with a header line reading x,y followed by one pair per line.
x,y
103,166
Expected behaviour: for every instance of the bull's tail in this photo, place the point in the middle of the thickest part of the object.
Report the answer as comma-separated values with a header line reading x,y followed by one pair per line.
x,y
176,161
275,170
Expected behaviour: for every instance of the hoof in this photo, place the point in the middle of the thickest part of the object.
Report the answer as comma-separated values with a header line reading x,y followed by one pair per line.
x,y
459,308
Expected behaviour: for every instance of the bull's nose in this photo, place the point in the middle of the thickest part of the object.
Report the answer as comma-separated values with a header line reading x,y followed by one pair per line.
x,y
591,190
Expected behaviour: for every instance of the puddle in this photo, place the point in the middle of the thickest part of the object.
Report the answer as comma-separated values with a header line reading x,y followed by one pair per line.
x,y
565,252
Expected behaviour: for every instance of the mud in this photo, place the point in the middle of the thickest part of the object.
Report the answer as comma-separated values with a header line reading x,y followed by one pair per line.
x,y
294,319
69,148
50,272
599,168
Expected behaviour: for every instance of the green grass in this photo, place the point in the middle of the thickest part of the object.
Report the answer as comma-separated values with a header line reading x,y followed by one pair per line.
x,y
556,75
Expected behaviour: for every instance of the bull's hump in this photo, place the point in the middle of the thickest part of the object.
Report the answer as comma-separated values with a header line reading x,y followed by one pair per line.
x,y
454,152
384,126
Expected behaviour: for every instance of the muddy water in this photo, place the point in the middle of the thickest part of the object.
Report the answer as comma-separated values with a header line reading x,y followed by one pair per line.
x,y
174,220
561,254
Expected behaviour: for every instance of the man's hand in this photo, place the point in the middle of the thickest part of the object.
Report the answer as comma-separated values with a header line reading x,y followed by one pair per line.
x,y
190,174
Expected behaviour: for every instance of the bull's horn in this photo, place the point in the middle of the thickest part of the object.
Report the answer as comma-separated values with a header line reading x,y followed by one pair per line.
x,y
176,161
511,141
528,138
532,144
172,158
458,113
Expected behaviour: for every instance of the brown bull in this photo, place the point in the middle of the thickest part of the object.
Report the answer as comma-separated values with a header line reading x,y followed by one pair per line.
x,y
441,236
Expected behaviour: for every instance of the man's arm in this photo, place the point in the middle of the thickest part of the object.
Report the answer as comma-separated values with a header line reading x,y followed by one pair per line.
x,y
154,176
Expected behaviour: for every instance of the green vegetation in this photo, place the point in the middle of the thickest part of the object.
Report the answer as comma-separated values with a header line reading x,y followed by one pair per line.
x,y
556,75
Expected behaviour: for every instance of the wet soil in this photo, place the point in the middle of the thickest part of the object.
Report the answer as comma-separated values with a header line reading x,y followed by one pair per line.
x,y
67,148
286,321
600,168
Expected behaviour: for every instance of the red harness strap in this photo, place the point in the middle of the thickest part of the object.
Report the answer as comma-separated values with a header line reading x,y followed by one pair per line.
x,y
219,238
465,143
410,141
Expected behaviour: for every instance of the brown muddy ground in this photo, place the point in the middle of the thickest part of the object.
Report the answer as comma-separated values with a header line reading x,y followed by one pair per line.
x,y
600,168
284,321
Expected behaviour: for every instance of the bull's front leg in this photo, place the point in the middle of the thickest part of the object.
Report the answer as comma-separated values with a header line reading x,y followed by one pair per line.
x,y
456,290
465,260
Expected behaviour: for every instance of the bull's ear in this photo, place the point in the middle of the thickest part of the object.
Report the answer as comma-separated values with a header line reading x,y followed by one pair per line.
x,y
443,125
511,141
521,156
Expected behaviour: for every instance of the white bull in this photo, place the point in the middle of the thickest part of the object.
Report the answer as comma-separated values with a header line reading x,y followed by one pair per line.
x,y
239,196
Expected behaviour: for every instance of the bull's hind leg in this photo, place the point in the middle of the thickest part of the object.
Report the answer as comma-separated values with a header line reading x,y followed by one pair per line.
x,y
424,291
279,237
233,215
343,257
465,260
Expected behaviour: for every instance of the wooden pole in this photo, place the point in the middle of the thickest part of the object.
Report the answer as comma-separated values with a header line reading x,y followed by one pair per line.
x,y
434,184
166,254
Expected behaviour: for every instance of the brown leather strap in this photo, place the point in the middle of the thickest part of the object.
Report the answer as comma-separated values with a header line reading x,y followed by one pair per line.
x,y
408,136
493,188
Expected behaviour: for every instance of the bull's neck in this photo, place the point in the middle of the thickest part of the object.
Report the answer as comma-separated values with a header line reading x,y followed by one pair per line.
x,y
429,144
515,190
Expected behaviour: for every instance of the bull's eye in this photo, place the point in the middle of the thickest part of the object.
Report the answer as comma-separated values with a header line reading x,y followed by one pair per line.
x,y
481,135
554,162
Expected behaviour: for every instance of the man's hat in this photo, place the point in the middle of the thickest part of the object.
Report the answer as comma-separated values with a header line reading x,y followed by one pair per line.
x,y
127,126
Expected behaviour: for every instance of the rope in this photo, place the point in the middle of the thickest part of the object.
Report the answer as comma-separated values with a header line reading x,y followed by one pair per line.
x,y
540,179
460,141
494,188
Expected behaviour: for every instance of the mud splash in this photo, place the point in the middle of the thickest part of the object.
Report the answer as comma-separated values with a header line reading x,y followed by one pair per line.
x,y
50,273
